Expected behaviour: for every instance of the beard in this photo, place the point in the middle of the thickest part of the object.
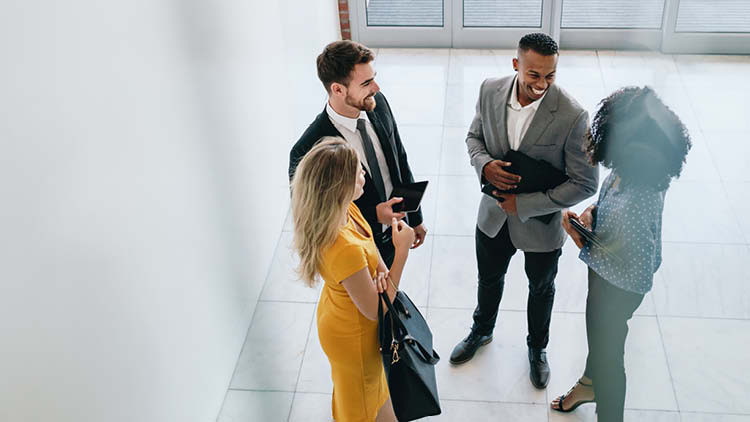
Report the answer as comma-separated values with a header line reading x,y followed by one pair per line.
x,y
365,104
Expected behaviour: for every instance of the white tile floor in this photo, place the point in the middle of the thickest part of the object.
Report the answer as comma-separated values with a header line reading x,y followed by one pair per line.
x,y
686,354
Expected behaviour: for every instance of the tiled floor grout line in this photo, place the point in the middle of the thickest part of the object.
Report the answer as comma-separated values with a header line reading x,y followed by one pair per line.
x,y
708,147
460,308
313,392
288,301
439,179
503,402
702,318
437,195
601,75
256,390
666,359
495,402
714,413
302,361
683,242
429,274
252,318
452,308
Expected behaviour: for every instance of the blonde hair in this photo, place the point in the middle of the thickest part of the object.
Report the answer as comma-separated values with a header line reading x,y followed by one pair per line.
x,y
322,188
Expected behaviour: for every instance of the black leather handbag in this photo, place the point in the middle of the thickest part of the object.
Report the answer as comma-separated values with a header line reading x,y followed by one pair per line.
x,y
408,358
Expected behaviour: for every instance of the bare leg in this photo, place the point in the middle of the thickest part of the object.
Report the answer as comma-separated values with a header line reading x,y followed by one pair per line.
x,y
386,414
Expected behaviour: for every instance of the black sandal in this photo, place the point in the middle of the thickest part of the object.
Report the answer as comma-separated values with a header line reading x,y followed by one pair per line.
x,y
562,398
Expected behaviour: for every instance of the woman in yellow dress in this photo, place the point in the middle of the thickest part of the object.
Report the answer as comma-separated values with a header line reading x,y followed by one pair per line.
x,y
335,243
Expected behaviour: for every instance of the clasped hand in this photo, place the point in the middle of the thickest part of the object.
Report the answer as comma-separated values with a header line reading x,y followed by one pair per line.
x,y
495,173
500,178
586,219
386,215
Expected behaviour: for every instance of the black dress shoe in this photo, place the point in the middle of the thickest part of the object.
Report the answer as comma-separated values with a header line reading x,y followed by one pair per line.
x,y
538,367
464,351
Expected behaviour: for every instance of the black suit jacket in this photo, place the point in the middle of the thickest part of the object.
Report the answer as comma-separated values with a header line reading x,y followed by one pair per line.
x,y
395,155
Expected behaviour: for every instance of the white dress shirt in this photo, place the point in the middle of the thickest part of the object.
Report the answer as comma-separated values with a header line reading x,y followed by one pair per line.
x,y
519,117
348,128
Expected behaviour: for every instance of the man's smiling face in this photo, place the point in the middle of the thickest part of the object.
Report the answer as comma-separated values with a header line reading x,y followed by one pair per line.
x,y
362,88
536,72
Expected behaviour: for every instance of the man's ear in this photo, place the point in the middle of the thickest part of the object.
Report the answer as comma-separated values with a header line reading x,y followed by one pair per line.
x,y
338,89
515,64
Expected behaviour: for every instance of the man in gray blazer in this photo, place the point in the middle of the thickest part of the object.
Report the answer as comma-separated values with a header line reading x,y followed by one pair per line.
x,y
528,113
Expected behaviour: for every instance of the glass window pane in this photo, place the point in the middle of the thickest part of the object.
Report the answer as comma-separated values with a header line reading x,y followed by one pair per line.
x,y
713,16
627,14
503,13
404,12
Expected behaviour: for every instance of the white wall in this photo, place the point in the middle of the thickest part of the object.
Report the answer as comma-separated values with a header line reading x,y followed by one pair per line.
x,y
143,187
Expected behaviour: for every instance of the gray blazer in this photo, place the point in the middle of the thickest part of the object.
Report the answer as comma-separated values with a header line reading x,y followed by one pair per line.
x,y
555,135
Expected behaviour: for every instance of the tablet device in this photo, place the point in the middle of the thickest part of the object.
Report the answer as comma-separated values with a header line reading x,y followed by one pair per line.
x,y
592,238
412,194
582,230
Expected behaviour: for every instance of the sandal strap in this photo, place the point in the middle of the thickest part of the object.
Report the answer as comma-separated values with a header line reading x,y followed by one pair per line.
x,y
560,401
562,398
583,384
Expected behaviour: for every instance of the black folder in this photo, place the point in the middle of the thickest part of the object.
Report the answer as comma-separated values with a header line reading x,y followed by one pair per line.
x,y
536,176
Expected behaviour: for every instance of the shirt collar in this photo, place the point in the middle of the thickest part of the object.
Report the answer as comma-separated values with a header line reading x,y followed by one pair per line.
x,y
347,122
515,105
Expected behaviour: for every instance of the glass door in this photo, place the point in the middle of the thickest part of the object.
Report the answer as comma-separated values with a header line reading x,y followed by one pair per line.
x,y
401,23
610,24
670,26
447,23
708,26
498,23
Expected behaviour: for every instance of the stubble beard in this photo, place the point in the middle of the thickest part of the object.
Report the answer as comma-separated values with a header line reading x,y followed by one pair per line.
x,y
367,103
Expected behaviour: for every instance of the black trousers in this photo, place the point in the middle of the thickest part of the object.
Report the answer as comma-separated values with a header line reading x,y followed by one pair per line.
x,y
493,257
608,309
384,243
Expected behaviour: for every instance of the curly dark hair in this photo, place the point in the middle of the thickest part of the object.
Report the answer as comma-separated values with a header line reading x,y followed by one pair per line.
x,y
641,139
539,42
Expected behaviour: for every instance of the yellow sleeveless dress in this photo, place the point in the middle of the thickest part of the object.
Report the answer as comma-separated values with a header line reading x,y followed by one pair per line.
x,y
346,336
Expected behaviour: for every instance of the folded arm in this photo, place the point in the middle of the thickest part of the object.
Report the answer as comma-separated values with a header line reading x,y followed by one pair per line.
x,y
583,178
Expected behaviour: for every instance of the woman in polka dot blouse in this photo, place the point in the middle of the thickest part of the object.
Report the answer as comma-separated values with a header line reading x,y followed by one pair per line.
x,y
645,144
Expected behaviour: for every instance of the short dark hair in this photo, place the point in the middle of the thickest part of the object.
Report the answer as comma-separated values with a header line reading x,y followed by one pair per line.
x,y
641,139
336,62
539,42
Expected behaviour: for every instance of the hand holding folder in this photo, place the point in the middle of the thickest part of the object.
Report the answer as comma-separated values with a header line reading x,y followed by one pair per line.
x,y
536,176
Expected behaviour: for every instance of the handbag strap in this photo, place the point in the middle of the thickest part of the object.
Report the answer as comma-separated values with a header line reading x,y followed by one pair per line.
x,y
429,356
395,323
393,319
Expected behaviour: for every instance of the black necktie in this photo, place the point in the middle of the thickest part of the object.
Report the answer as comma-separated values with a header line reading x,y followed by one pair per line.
x,y
372,160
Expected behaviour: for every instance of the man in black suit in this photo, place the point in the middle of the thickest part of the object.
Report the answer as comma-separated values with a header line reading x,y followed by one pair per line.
x,y
358,112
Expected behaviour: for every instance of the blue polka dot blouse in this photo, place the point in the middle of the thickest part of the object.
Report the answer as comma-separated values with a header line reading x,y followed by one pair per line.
x,y
628,223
